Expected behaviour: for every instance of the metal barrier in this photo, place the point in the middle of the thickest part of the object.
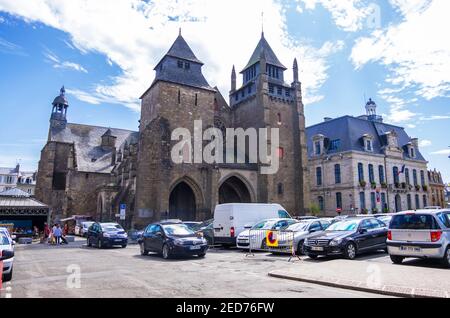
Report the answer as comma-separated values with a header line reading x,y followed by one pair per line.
x,y
272,241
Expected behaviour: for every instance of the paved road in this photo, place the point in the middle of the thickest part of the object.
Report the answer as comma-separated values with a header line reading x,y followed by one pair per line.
x,y
43,271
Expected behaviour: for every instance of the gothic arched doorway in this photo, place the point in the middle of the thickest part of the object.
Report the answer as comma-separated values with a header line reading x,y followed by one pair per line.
x,y
182,204
234,190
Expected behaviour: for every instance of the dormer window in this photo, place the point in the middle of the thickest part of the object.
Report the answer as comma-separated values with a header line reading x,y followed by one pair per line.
x,y
368,143
187,65
318,142
180,64
411,150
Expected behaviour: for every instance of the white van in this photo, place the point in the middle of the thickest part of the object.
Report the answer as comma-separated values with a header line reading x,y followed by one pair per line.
x,y
231,219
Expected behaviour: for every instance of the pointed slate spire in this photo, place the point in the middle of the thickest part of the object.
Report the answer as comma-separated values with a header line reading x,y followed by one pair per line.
x,y
295,68
263,49
233,79
180,49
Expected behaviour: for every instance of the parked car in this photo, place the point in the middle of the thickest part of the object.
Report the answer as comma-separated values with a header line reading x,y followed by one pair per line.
x,y
420,234
4,230
348,237
206,229
83,228
385,218
231,219
304,230
254,235
191,224
172,239
106,235
302,218
7,256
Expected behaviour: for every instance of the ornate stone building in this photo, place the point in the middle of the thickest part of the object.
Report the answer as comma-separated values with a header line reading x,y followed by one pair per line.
x,y
436,189
94,170
362,165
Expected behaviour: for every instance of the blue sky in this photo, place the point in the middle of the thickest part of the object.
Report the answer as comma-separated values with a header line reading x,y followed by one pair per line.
x,y
395,51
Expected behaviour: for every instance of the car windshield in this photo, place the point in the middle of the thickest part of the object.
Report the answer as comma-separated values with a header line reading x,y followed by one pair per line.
x,y
3,239
299,226
111,227
177,229
413,222
349,225
264,225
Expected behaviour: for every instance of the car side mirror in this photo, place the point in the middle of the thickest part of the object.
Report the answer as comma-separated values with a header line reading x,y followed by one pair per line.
x,y
159,234
6,255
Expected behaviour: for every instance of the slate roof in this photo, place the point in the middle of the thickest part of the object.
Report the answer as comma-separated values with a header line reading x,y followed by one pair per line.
x,y
167,69
7,171
90,156
350,130
180,49
270,56
16,198
15,192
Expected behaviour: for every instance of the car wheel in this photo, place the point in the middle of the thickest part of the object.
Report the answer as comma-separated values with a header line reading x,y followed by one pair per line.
x,y
144,252
300,250
201,255
124,246
165,252
8,277
446,260
396,259
350,251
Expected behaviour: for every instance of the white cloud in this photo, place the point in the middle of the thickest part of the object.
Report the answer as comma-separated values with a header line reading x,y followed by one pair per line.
x,y
442,152
435,117
425,143
134,35
416,50
348,15
10,48
51,57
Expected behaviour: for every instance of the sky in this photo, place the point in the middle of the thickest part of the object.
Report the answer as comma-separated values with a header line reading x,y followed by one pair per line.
x,y
396,52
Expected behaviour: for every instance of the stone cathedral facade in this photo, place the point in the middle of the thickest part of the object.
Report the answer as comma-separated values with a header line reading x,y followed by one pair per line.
x,y
93,170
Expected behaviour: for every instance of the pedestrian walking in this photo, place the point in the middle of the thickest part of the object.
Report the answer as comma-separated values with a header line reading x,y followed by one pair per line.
x,y
57,233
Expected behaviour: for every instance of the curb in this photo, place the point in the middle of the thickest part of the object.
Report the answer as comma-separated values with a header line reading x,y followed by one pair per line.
x,y
387,290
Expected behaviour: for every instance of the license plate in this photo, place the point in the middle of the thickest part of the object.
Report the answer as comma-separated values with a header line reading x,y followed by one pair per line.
x,y
118,240
411,249
193,248
318,249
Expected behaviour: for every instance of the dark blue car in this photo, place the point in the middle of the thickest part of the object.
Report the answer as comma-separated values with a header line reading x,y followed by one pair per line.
x,y
107,235
172,239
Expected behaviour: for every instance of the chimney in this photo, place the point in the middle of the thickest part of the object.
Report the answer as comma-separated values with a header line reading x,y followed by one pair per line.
x,y
326,119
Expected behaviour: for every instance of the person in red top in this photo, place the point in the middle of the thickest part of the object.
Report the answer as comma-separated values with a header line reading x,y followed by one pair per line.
x,y
46,231
66,230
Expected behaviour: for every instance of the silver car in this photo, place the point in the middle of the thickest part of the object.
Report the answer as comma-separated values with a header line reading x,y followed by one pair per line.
x,y
420,234
304,230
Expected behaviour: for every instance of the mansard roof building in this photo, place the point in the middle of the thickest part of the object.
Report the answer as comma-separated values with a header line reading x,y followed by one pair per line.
x,y
362,164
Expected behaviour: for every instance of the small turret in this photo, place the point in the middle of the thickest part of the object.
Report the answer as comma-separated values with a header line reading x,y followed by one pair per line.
x,y
233,80
60,105
295,69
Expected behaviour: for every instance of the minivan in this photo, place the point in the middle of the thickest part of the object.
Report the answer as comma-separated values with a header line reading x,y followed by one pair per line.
x,y
231,219
420,234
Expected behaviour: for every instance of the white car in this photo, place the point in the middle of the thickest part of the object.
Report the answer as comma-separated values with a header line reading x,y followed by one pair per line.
x,y
83,229
7,245
250,234
4,230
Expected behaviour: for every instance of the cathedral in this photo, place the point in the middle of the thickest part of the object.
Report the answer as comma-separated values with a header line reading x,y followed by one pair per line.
x,y
89,170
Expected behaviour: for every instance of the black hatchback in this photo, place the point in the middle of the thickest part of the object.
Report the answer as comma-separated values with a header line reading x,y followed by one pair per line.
x,y
106,235
172,239
349,237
